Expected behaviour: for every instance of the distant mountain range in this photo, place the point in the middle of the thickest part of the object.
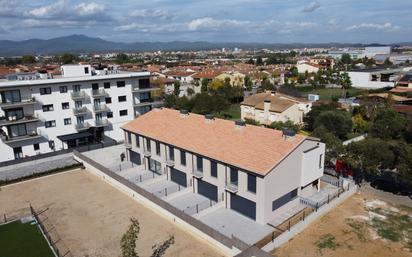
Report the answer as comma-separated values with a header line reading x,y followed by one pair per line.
x,y
84,44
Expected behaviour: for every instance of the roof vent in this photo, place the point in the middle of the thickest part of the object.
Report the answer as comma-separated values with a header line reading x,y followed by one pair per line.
x,y
240,124
288,133
209,118
184,113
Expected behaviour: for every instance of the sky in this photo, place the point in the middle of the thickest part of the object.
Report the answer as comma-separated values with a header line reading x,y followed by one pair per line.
x,y
268,21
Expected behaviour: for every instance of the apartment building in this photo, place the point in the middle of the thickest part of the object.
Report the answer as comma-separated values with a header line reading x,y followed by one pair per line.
x,y
269,107
257,172
40,114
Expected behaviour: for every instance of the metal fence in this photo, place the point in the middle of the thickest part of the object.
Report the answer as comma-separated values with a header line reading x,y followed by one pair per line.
x,y
194,209
15,215
168,190
316,204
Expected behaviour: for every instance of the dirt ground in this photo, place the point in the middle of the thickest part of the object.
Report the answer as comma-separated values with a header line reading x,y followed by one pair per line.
x,y
350,230
91,216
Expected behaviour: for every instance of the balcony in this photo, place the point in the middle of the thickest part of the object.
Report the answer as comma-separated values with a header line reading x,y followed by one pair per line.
x,y
101,123
80,111
197,174
79,95
147,153
99,108
170,162
150,101
23,102
12,120
231,186
31,136
82,126
99,93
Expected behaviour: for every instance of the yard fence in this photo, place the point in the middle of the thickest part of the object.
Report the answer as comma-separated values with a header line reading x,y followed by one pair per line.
x,y
15,215
216,235
194,209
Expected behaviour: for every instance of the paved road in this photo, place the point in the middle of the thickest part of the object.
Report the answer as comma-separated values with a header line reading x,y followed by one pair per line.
x,y
386,196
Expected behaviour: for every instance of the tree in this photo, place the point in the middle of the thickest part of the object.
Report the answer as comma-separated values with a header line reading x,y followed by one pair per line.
x,y
388,124
267,85
388,62
403,153
345,82
346,59
251,61
248,83
28,59
279,125
176,88
216,84
67,58
122,58
334,147
190,91
259,61
338,122
205,84
311,116
359,124
128,242
294,71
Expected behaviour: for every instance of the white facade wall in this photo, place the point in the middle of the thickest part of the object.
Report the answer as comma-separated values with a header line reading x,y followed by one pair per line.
x,y
294,113
56,98
364,80
303,67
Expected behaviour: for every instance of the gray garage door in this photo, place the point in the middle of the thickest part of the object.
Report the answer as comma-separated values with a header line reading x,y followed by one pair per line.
x,y
135,158
178,177
206,189
243,206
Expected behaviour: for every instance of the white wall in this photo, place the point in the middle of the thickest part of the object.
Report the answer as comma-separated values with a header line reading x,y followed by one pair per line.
x,y
363,80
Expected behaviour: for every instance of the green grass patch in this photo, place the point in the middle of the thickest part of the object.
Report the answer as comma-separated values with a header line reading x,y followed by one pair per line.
x,y
331,93
23,240
232,113
327,241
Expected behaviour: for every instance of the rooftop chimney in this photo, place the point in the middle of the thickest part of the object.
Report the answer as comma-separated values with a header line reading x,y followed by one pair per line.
x,y
184,113
266,109
209,118
288,133
240,124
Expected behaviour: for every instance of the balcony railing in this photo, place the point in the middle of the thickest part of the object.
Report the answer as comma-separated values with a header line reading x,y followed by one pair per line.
x,y
97,108
22,102
78,95
147,153
232,186
145,89
13,120
170,162
197,173
101,123
99,93
82,126
30,136
80,110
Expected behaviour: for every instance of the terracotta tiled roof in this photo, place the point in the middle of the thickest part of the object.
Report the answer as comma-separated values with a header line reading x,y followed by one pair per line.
x,y
179,73
278,103
401,89
251,148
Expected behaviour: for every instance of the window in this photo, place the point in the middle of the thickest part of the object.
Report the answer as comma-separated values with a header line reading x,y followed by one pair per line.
x,y
65,106
129,137
17,130
233,176
155,166
78,104
276,204
95,86
63,89
121,83
148,145
76,88
213,169
251,183
11,96
67,121
171,153
320,161
182,157
47,108
199,163
108,100
109,115
157,148
18,153
137,141
122,98
144,83
50,124
36,147
86,70
14,114
45,90
106,85
51,144
123,112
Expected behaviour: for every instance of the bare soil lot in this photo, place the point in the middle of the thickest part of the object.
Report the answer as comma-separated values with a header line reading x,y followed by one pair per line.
x,y
362,226
91,216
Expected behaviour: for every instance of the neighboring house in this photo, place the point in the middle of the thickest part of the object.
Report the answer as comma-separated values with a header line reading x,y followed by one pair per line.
x,y
182,76
82,106
269,107
373,78
236,78
259,172
307,67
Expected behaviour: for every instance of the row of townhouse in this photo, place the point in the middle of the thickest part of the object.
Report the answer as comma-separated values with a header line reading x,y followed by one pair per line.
x,y
42,114
257,172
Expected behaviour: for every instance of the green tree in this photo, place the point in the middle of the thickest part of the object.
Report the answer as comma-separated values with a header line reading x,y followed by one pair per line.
x,y
403,155
267,85
122,58
176,88
389,124
311,116
259,61
338,122
190,91
346,59
334,147
279,125
360,125
388,62
248,83
251,61
28,59
67,58
205,85
345,82
294,71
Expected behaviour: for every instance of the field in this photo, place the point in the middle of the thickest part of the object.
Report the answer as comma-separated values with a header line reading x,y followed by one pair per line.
x,y
91,216
23,239
330,93
361,226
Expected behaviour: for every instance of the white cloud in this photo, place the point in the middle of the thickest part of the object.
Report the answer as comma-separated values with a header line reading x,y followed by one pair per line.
x,y
383,26
145,13
48,11
89,9
311,7
209,23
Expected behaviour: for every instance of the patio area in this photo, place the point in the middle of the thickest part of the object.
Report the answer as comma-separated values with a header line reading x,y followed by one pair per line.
x,y
230,223
162,188
191,203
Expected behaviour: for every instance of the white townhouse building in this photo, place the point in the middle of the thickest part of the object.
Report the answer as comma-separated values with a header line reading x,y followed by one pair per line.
x,y
374,78
257,172
40,114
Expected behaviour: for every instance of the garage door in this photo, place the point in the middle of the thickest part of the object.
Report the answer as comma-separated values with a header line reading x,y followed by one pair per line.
x,y
178,177
243,206
206,189
135,158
